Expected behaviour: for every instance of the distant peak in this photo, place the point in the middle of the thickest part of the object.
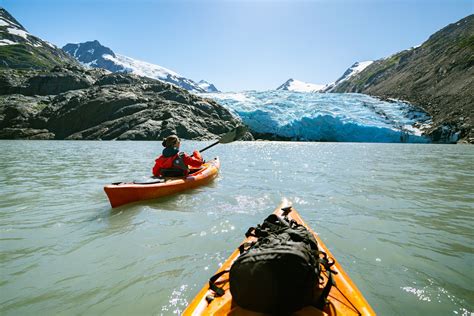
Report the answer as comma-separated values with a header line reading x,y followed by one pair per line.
x,y
93,43
300,86
207,86
353,70
88,51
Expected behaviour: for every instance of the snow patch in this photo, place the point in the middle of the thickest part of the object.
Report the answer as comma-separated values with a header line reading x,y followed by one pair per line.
x,y
147,69
206,86
18,32
300,86
361,66
50,45
349,73
141,68
4,23
90,65
4,42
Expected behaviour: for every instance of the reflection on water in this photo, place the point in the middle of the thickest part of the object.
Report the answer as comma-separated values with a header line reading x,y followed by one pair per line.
x,y
398,218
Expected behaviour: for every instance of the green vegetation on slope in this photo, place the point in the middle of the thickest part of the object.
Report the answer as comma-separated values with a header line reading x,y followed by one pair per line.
x,y
438,76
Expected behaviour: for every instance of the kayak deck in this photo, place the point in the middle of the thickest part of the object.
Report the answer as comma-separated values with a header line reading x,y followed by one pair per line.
x,y
344,297
124,193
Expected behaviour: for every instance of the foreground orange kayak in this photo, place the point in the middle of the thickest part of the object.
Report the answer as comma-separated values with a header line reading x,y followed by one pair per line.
x,y
123,193
344,297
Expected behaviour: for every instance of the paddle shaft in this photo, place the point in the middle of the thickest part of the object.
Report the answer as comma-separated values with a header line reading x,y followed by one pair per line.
x,y
211,145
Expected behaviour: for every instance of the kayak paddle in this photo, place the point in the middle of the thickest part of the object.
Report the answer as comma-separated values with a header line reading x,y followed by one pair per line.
x,y
229,137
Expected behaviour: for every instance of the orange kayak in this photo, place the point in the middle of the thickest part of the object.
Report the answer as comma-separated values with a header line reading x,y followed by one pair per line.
x,y
123,193
344,297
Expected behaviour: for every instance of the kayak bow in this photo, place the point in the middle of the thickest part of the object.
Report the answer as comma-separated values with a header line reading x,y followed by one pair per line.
x,y
344,297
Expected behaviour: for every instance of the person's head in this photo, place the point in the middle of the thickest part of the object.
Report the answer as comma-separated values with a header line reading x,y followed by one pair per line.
x,y
171,141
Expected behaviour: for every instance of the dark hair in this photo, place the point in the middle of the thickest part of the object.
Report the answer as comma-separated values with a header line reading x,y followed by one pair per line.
x,y
170,141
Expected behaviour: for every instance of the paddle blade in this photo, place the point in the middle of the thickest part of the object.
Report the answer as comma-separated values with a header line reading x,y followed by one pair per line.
x,y
233,135
240,132
229,137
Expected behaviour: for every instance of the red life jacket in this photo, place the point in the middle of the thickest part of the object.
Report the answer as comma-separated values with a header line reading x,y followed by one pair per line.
x,y
176,165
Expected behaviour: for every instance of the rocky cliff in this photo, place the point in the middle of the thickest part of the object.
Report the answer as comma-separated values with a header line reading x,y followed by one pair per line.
x,y
75,103
437,76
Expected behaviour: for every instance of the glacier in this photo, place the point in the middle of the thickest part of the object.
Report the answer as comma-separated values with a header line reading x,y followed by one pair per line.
x,y
348,117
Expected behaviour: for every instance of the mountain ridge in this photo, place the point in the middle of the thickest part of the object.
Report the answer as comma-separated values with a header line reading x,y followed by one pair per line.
x,y
21,50
353,70
94,54
207,86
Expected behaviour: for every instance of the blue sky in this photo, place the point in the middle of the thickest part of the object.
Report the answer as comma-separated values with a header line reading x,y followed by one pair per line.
x,y
243,45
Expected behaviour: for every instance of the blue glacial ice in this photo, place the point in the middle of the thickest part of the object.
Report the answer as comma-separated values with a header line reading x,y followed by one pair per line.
x,y
347,117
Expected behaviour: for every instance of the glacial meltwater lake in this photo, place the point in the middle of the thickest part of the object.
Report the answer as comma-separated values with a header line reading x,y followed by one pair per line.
x,y
398,218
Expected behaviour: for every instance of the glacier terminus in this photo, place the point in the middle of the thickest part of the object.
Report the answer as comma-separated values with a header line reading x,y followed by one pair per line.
x,y
335,117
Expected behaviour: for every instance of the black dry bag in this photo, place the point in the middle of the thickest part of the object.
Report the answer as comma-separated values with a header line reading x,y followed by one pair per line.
x,y
279,272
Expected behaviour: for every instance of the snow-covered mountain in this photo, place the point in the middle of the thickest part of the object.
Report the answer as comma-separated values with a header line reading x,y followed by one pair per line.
x,y
356,68
21,49
94,54
300,86
91,54
208,87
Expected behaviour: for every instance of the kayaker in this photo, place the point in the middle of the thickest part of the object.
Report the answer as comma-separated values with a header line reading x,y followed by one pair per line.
x,y
173,163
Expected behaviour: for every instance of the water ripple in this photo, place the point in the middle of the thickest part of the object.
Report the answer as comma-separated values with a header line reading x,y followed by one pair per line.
x,y
391,214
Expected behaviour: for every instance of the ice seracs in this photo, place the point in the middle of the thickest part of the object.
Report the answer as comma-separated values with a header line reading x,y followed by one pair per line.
x,y
345,117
